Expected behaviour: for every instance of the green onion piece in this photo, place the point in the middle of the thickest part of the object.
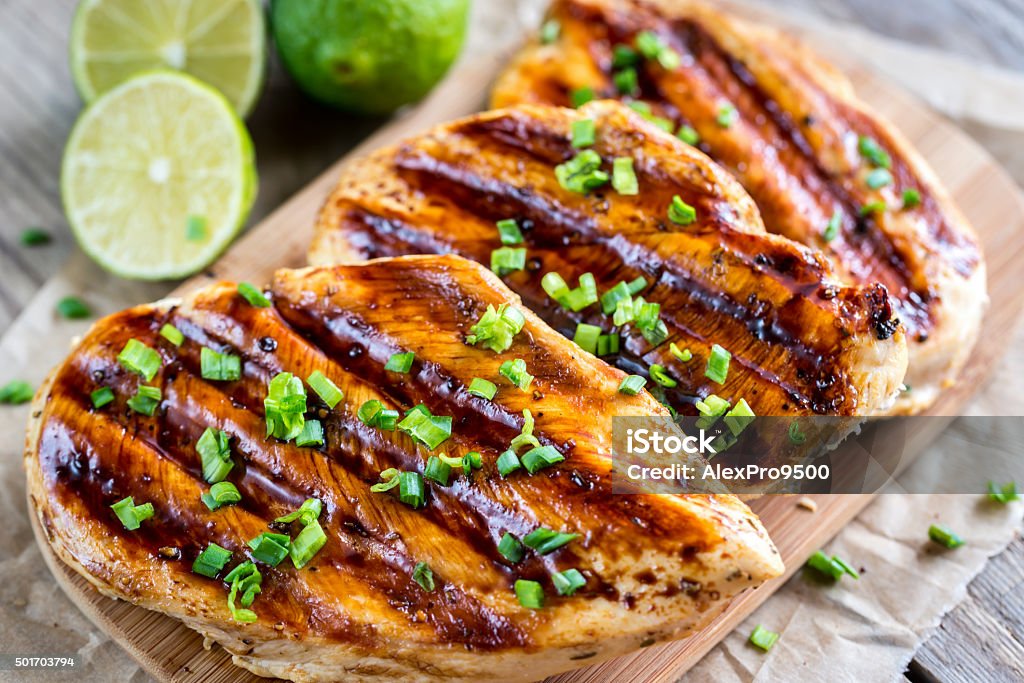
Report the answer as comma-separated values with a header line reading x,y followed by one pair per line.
x,y
482,388
878,178
688,134
944,536
583,133
509,232
710,408
546,541
172,334
101,397
795,435
515,371
211,561
870,150
611,298
718,364
872,208
529,593
832,567
626,81
219,367
270,548
312,434
220,494
429,430
410,489
632,385
309,541
582,173
73,308
451,460
253,295
35,237
507,260
649,44
526,437
581,297
550,31
624,177
472,461
1003,494
496,328
739,418
424,576
437,470
660,375
305,514
215,454
661,122
130,514
138,358
568,582
637,285
727,115
245,579
195,229
145,400
647,319
369,412
581,96
586,337
511,549
327,390
623,56
540,457
16,392
400,362
834,224
911,198
389,481
555,287
625,312
508,462
684,355
608,344
680,212
640,107
763,638
285,406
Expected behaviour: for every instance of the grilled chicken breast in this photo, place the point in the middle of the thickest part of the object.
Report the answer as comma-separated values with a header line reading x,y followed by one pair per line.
x,y
654,567
824,169
800,342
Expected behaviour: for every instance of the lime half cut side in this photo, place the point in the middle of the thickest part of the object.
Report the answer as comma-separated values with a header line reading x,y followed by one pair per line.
x,y
158,176
221,42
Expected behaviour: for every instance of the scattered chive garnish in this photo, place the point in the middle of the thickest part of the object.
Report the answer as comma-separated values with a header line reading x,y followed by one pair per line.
x,y
138,358
515,371
131,515
632,385
312,434
795,434
608,344
511,549
582,173
16,392
763,638
550,31
684,355
546,541
623,56
944,536
101,397
680,212
652,46
424,576
219,367
509,232
253,295
373,414
718,364
482,388
873,208
834,224
400,362
312,537
581,96
507,463
270,548
1003,494
172,334
833,567
911,198
429,430
739,417
624,177
586,337
35,237
878,178
145,400
540,457
245,579
220,494
661,376
327,390
211,561
285,406
507,260
437,470
584,133
568,582
529,593
871,151
626,81
496,328
73,308
215,454
727,115
688,134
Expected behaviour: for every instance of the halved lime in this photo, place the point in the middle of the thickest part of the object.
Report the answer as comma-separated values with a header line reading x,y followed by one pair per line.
x,y
158,176
221,42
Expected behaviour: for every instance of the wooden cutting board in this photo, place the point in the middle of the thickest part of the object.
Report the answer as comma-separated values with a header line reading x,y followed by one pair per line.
x,y
989,198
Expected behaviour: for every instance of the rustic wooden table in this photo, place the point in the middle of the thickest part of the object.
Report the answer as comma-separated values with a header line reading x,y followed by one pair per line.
x,y
981,640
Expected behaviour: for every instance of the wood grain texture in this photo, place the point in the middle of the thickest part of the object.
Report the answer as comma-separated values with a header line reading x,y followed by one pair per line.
x,y
985,193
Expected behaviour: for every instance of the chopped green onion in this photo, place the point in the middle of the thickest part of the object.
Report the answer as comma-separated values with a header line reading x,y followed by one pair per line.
x,y
305,514
684,355
911,198
270,548
739,418
508,462
327,390
647,319
1003,494
312,434
871,151
624,177
529,593
195,229
833,566
584,295
834,224
253,295
878,178
285,406
373,414
526,437
145,400
581,96
718,364
582,173
652,46
16,392
429,430
611,298
550,31
710,408
410,489
472,461
496,328
309,541
554,286
482,388
626,81
101,397
220,367
515,371
540,457
511,549
795,435
437,470
507,260
632,385
586,337
138,358
727,115
211,561
220,494
509,232
568,582
73,308
680,212
400,362
424,576
214,450
245,579
172,334
872,208
583,133
623,56
944,536
688,134
763,638
608,344
35,237
661,376
130,514
546,541
389,480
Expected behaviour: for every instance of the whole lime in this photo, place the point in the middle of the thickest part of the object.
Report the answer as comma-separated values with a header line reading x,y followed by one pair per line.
x,y
368,56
